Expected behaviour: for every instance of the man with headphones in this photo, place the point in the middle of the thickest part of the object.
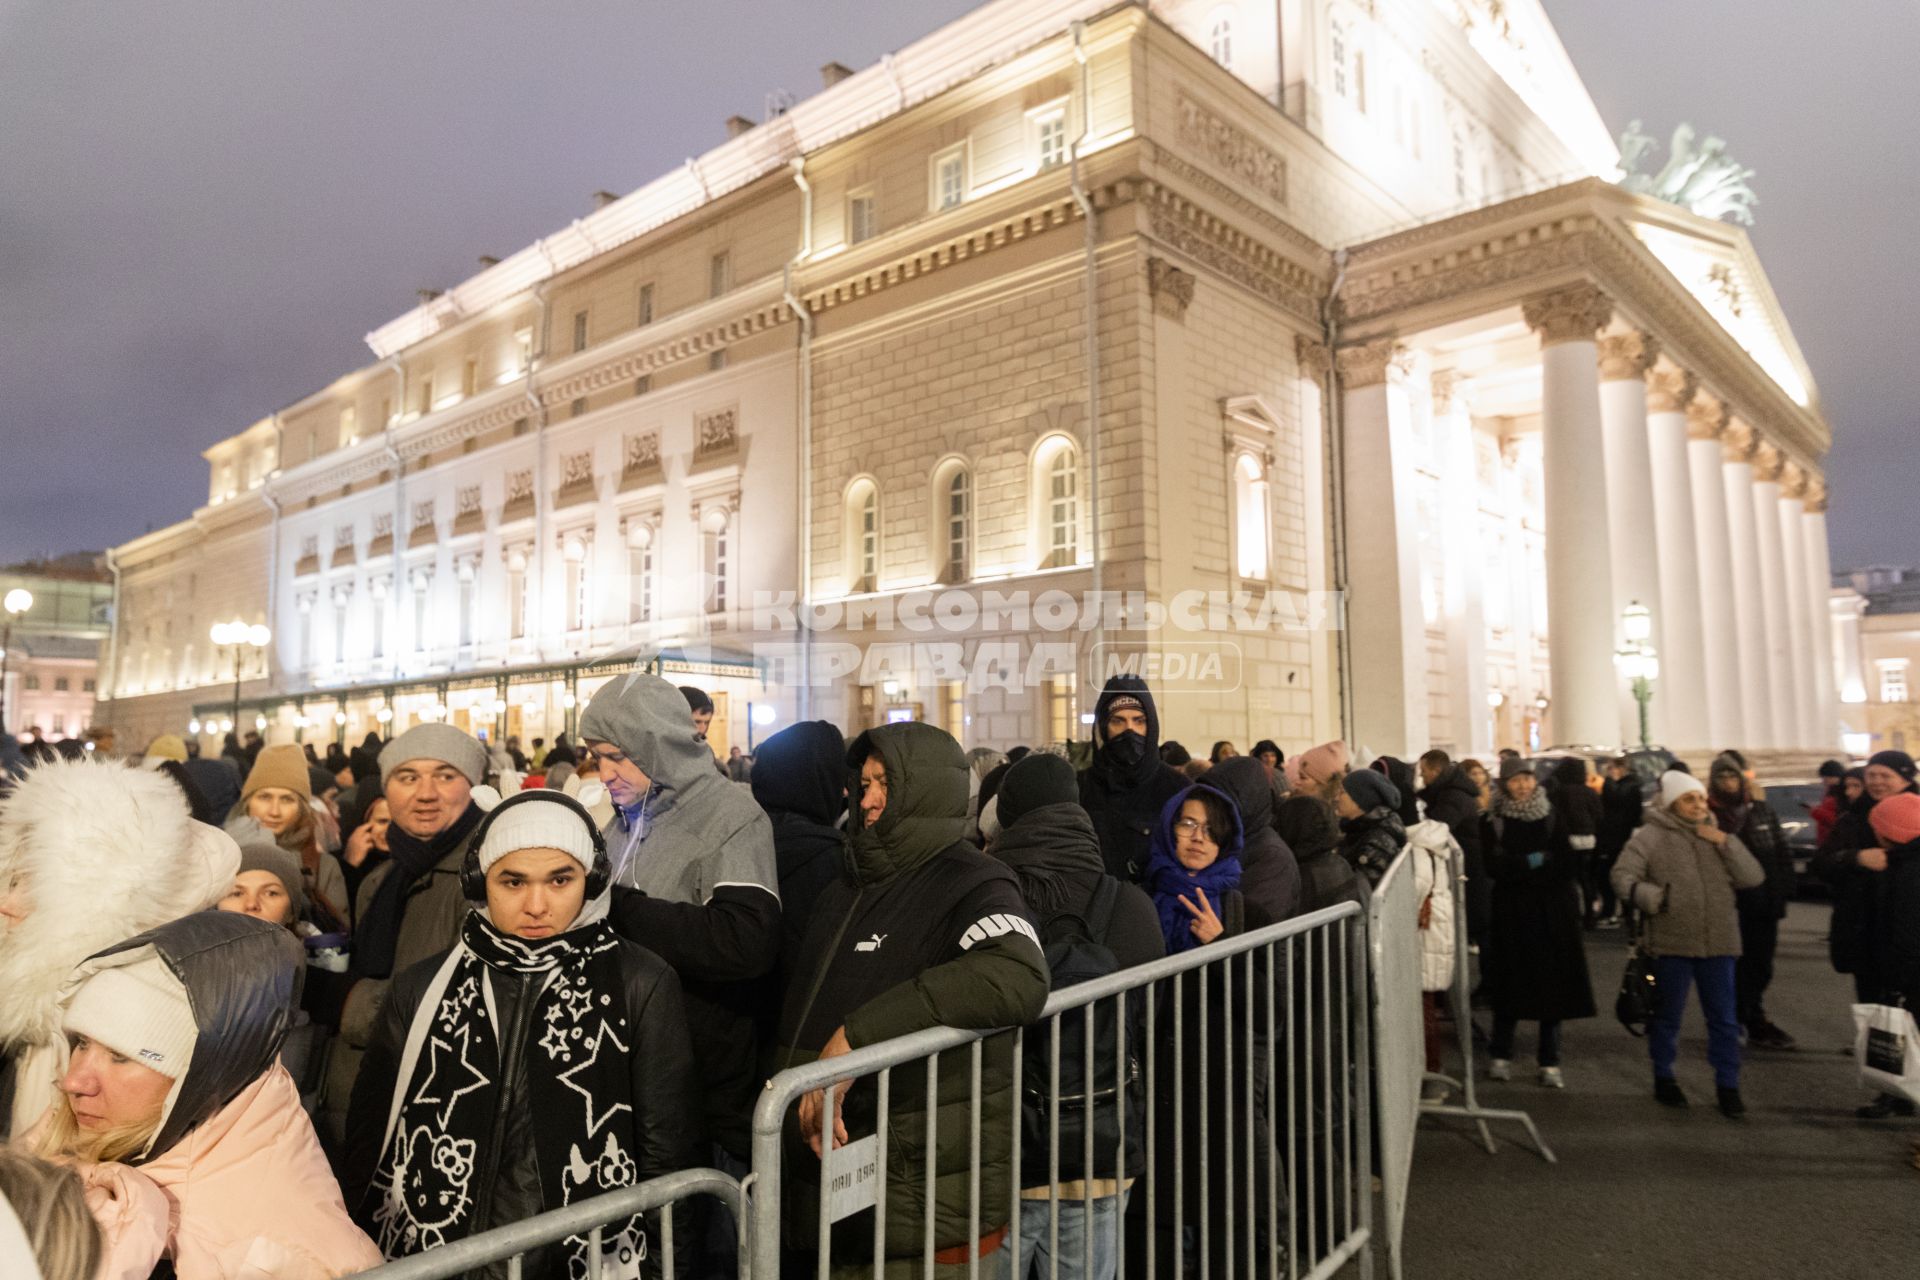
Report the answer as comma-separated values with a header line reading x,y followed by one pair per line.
x,y
539,1062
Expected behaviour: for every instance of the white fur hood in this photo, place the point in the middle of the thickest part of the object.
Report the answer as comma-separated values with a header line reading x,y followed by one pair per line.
x,y
93,852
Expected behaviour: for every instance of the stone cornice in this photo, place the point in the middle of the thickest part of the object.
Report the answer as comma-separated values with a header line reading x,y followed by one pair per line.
x,y
1373,363
1476,263
1627,356
1184,226
1670,389
1573,314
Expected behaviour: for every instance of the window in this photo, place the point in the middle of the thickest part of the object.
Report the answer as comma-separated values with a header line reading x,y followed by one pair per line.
x,y
420,614
1220,40
87,686
61,685
719,274
1251,525
468,594
59,722
958,526
523,349
470,377
640,572
579,331
950,177
1060,717
953,698
714,532
643,384
1339,52
1060,505
386,412
339,628
33,682
349,426
863,541
1050,138
426,395
646,304
517,595
860,217
379,625
1893,680
579,584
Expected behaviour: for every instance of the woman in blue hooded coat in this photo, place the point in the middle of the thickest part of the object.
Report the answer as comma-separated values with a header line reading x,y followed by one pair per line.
x,y
1201,1035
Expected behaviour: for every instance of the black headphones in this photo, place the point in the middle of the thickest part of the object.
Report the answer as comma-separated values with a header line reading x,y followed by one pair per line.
x,y
473,881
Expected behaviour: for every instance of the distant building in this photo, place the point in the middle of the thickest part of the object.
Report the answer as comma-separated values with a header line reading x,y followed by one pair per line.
x,y
1369,316
53,659
1876,629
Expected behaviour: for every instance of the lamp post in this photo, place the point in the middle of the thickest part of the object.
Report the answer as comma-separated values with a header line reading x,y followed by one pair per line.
x,y
1638,661
242,638
18,601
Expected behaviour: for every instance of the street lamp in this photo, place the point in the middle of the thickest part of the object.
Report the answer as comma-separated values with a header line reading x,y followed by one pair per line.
x,y
17,602
1638,661
242,638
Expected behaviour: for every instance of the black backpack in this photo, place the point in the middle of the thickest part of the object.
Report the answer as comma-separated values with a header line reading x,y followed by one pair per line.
x,y
1076,951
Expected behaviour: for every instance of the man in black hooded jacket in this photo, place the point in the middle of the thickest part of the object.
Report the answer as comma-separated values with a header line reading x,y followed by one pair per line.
x,y
1127,785
1450,796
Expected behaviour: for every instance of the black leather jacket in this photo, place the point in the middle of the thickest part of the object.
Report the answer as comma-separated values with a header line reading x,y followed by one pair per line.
x,y
666,1094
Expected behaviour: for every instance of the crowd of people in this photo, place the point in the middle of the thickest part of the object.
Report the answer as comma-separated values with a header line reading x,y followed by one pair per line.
x,y
369,1002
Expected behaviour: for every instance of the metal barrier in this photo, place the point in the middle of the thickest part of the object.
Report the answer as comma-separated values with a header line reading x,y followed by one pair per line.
x,y
1461,1000
1399,1039
1264,1171
1267,1174
510,1243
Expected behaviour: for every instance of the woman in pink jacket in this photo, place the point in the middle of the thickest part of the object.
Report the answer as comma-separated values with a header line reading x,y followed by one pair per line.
x,y
186,1130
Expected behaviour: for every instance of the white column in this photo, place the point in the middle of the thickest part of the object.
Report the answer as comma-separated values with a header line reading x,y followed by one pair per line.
x,y
1781,699
1749,590
1684,685
1726,672
1580,614
1813,529
1464,603
1386,632
1800,612
1846,607
1632,531
1315,363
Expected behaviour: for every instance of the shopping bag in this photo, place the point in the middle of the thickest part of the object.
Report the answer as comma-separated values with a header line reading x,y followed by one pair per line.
x,y
1887,1047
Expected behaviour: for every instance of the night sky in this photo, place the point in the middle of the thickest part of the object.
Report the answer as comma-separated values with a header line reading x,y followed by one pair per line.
x,y
203,206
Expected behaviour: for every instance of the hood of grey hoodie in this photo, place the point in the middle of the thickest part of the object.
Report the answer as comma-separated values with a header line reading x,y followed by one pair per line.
x,y
699,832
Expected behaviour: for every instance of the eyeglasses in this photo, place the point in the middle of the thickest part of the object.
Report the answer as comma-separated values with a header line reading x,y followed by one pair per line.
x,y
1193,827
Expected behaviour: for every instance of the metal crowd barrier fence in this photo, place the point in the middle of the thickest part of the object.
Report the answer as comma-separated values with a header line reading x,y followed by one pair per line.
x,y
1216,1102
1220,1178
1399,1036
658,1198
1460,999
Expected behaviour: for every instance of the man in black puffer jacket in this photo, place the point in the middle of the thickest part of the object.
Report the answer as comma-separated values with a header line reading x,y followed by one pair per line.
x,y
1579,807
1450,796
800,779
1127,785
1308,825
1761,909
1269,876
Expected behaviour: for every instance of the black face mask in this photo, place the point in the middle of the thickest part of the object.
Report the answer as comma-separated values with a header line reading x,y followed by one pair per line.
x,y
1127,749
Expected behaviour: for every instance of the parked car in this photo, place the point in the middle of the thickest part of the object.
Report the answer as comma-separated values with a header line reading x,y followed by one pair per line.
x,y
1792,803
1647,765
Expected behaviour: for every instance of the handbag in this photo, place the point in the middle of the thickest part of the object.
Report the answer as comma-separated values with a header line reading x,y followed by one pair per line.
x,y
1639,989
1887,1047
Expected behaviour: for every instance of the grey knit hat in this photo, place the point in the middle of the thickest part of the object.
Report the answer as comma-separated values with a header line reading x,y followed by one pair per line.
x,y
436,742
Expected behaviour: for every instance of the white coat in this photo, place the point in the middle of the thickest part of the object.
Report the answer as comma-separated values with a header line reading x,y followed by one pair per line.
x,y
1432,847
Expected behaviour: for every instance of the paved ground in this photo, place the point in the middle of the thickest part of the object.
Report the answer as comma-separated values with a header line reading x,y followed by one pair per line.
x,y
1799,1189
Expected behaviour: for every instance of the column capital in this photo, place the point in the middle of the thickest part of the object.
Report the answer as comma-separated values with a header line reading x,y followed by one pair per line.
x,y
1452,390
1768,461
1737,442
1373,363
1670,389
1627,356
1793,481
1312,358
1707,417
1573,314
1816,498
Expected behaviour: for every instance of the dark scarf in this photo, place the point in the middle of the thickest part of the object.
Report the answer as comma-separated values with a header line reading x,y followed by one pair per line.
x,y
579,1093
377,935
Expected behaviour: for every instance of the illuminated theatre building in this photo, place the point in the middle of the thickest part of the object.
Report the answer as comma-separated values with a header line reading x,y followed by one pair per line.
x,y
847,348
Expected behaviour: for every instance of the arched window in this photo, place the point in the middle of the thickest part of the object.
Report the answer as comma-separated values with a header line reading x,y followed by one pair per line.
x,y
1251,532
1339,52
1055,498
952,526
863,536
1220,38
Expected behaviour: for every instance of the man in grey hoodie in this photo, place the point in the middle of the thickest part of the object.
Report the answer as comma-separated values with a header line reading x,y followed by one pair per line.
x,y
695,882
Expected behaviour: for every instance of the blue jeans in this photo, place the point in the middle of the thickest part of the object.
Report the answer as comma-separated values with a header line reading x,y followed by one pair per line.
x,y
1672,976
1036,1259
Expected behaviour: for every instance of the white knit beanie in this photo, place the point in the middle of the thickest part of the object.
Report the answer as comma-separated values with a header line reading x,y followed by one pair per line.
x,y
545,820
140,1011
1674,784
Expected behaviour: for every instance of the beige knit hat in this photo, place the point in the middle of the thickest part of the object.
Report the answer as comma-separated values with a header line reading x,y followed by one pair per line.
x,y
140,1011
284,766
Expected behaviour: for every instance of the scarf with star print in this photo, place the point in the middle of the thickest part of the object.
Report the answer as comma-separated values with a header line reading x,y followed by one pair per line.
x,y
428,1185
